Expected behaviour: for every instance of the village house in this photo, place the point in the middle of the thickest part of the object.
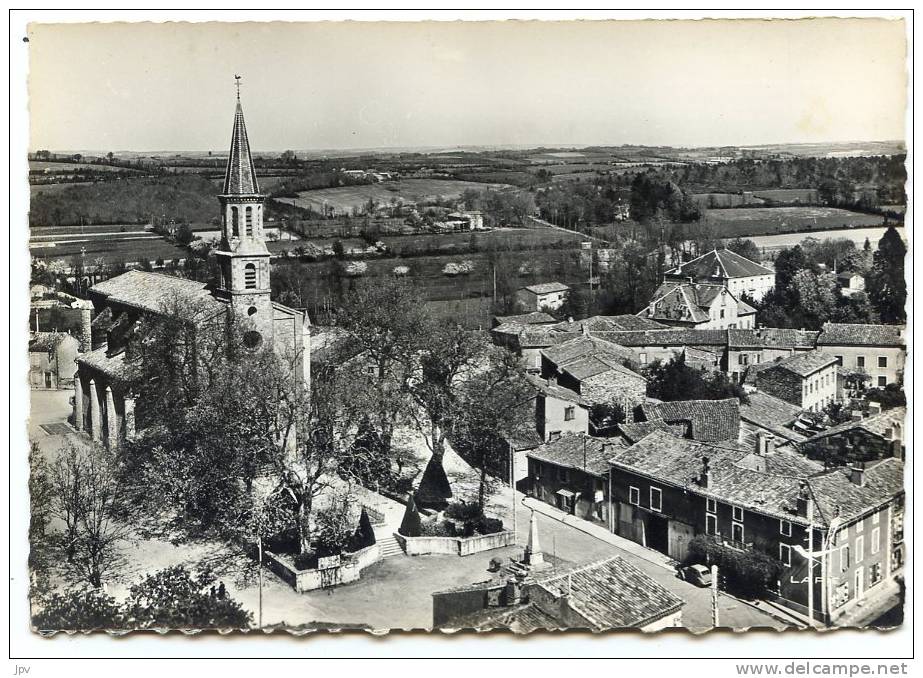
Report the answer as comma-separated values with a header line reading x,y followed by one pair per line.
x,y
877,350
104,403
598,596
850,282
528,341
667,344
595,369
558,410
550,295
862,441
470,220
807,380
698,306
570,472
52,358
727,268
666,490
764,344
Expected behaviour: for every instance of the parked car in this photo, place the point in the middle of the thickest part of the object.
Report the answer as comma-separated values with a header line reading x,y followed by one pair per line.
x,y
699,575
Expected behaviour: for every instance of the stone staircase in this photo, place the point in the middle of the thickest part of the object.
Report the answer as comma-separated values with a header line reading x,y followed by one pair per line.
x,y
388,546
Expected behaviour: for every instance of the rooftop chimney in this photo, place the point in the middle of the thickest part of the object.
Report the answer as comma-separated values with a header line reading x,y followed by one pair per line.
x,y
805,505
857,476
705,476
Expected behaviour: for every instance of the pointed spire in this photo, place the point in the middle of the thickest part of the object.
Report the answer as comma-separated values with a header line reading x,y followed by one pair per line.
x,y
240,176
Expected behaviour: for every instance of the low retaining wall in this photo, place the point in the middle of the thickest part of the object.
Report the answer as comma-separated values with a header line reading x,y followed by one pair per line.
x,y
349,570
454,546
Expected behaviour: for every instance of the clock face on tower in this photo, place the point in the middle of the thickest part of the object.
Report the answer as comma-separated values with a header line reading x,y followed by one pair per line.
x,y
253,339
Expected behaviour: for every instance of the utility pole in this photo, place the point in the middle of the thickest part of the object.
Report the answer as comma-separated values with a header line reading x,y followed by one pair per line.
x,y
513,483
714,596
811,563
259,541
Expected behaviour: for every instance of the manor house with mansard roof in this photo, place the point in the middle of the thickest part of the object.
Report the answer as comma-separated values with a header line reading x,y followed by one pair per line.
x,y
104,404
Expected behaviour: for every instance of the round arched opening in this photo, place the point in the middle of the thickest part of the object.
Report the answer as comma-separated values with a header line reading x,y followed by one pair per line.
x,y
252,339
251,310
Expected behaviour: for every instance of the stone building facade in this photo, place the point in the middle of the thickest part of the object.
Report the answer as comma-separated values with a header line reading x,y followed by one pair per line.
x,y
807,380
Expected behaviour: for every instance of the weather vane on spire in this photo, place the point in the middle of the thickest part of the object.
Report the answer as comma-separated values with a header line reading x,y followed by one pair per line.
x,y
237,84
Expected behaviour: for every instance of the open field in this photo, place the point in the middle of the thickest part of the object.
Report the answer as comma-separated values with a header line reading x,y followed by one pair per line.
x,y
805,195
64,167
345,198
51,189
746,221
111,243
857,235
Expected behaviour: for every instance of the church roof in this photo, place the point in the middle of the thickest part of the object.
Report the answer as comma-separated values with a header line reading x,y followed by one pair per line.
x,y
153,292
240,176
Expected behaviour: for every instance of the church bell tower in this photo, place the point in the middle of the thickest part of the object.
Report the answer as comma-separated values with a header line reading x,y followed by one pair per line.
x,y
242,255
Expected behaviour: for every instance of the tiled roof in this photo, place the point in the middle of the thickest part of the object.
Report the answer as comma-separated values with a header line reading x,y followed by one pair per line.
x,y
677,336
613,594
610,323
675,301
608,594
523,618
594,365
846,334
678,462
771,337
153,292
637,430
45,342
111,366
534,318
583,346
721,264
240,175
547,288
805,363
773,414
877,424
710,420
584,453
834,490
541,338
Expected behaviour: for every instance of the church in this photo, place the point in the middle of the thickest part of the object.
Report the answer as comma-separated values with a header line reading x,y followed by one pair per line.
x,y
104,405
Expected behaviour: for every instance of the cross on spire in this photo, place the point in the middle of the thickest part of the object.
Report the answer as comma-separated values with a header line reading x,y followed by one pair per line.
x,y
237,85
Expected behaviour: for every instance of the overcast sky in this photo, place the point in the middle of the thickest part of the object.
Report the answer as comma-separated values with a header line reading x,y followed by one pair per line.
x,y
351,85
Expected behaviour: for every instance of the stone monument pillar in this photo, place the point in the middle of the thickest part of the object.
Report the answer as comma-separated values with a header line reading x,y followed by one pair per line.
x,y
534,557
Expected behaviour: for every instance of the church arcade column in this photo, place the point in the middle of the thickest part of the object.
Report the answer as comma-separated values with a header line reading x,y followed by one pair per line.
x,y
95,421
112,427
78,402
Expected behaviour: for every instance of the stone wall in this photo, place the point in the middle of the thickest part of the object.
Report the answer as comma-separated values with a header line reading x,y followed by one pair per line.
x,y
349,570
454,546
782,384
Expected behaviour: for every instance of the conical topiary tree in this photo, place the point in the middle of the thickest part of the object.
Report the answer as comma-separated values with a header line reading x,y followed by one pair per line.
x,y
434,490
365,535
410,524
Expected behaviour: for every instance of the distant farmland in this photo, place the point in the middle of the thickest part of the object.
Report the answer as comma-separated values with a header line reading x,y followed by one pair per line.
x,y
344,198
744,221
112,243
